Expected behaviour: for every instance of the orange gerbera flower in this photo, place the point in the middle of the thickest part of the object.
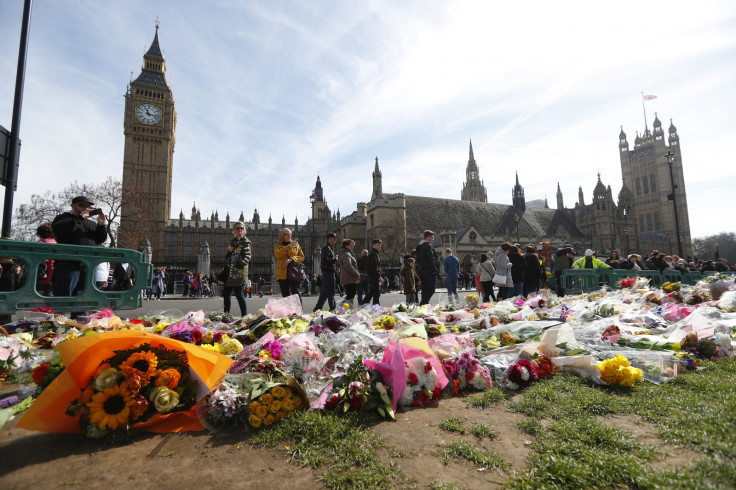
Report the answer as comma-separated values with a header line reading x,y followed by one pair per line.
x,y
111,408
140,362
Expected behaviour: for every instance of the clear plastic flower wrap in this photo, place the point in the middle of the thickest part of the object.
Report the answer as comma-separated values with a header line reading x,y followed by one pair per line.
x,y
447,346
224,408
727,301
657,366
353,342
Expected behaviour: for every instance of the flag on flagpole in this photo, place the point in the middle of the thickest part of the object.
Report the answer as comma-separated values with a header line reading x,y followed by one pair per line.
x,y
650,97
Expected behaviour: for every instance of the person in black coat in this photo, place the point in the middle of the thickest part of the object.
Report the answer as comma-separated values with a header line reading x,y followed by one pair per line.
x,y
532,271
518,270
374,272
75,229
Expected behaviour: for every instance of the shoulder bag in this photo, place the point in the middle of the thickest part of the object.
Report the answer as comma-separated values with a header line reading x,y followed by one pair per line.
x,y
295,272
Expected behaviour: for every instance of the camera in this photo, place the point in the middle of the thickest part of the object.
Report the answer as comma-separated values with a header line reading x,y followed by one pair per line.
x,y
95,212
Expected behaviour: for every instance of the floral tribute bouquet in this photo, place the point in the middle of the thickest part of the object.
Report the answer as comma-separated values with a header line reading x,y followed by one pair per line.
x,y
544,366
46,372
521,374
127,379
422,383
271,402
627,282
669,287
465,371
384,322
223,407
618,371
359,389
133,386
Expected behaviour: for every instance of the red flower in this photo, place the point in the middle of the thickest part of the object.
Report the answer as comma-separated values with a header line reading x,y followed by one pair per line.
x,y
413,379
196,336
136,321
455,386
356,403
469,375
436,393
332,402
428,367
39,373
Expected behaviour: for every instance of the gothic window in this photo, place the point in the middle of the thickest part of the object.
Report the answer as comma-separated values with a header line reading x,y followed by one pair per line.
x,y
188,237
649,222
473,236
657,222
638,187
172,250
373,223
641,222
172,237
188,250
645,181
653,183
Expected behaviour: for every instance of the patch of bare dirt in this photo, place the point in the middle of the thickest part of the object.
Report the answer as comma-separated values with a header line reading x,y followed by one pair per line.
x,y
416,443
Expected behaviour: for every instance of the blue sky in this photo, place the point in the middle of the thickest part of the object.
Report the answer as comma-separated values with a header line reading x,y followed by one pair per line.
x,y
271,94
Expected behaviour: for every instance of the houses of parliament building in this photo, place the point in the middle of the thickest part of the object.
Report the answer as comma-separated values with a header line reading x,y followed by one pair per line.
x,y
641,219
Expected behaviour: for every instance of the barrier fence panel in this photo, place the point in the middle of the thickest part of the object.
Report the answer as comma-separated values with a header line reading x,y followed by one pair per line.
x,y
30,255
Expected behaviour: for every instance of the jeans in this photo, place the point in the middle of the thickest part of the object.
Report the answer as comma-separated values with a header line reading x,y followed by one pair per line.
x,y
451,288
238,290
429,281
517,290
65,278
327,291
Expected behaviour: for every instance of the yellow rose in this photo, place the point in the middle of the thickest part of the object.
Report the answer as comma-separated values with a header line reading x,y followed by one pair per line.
x,y
287,392
279,415
288,405
266,398
262,411
269,419
253,407
255,421
107,379
278,391
164,399
276,406
297,402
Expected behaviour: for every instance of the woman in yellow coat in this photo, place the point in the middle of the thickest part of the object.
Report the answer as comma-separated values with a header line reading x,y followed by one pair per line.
x,y
287,250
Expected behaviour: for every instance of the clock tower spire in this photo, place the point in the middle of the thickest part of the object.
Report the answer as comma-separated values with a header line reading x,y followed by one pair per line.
x,y
149,126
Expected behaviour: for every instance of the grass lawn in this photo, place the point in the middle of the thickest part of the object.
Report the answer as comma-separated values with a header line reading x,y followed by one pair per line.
x,y
568,420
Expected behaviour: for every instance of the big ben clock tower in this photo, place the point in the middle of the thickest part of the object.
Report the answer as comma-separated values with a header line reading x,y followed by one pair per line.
x,y
150,133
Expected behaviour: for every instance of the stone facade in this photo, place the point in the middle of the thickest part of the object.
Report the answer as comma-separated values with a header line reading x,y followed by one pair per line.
x,y
647,174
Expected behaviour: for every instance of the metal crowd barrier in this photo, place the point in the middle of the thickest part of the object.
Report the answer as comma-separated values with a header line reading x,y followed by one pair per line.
x,y
585,280
89,298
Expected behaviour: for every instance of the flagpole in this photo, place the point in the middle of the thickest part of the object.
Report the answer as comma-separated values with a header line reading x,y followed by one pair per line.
x,y
643,106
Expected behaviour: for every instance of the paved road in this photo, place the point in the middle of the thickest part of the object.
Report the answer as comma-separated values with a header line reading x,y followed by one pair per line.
x,y
174,303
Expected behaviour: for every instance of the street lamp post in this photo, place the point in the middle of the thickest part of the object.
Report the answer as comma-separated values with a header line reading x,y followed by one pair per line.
x,y
626,234
516,219
671,197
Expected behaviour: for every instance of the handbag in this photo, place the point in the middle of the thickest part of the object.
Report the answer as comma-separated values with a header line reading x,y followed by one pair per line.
x,y
478,284
499,279
295,272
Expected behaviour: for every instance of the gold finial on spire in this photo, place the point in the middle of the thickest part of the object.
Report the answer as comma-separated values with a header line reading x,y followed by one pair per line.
x,y
157,23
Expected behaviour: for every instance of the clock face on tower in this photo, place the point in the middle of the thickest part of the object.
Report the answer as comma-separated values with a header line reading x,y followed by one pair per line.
x,y
148,114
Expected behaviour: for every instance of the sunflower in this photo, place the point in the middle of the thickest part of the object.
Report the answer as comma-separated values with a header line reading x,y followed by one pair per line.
x,y
111,407
140,362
